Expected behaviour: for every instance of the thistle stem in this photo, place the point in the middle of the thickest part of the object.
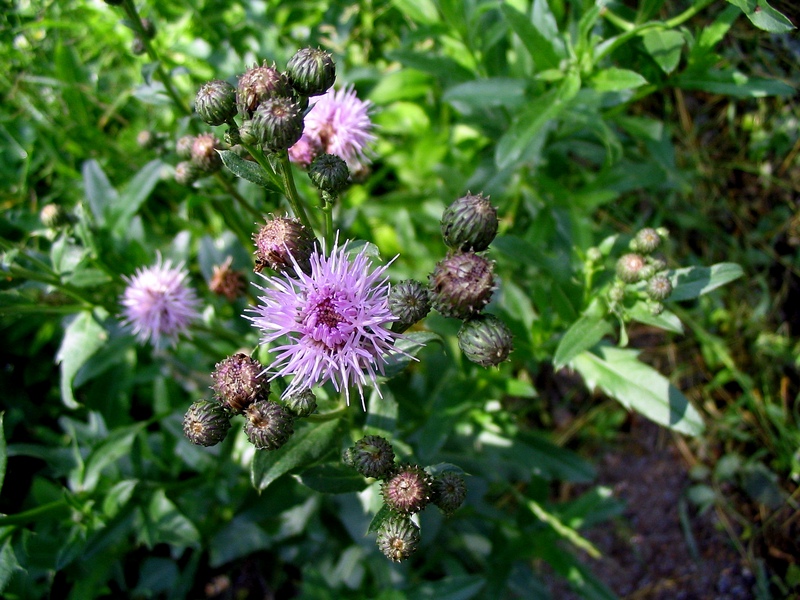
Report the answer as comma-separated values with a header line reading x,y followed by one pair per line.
x,y
290,190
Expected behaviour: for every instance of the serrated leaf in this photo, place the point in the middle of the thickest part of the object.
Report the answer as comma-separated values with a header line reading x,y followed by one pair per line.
x,y
582,335
332,478
665,47
247,169
763,16
615,80
83,337
380,516
308,444
639,387
459,587
692,282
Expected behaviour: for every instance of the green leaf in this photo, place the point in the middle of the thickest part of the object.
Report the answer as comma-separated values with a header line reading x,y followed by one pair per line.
x,y
665,47
114,447
164,523
582,335
565,531
83,337
410,344
763,16
615,80
405,84
8,563
99,191
477,95
136,192
667,320
308,444
458,587
692,282
247,169
420,11
542,50
332,478
731,82
443,68
620,374
382,414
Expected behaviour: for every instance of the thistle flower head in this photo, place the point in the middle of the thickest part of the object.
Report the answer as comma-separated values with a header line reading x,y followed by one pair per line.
x,y
238,382
338,123
311,71
398,538
470,223
206,423
216,102
257,85
204,153
333,322
268,425
158,304
372,456
462,284
485,340
226,281
448,492
408,491
282,243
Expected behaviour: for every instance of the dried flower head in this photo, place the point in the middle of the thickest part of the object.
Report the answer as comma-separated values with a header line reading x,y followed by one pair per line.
x,y
204,153
226,281
334,322
158,304
238,382
462,284
283,242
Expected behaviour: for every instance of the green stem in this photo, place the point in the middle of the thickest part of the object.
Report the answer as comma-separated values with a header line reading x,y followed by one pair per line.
x,y
133,15
687,14
290,190
226,183
53,509
328,416
264,164
327,219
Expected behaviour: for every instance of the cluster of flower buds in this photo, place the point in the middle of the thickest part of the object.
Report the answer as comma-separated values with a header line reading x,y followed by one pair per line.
x,y
199,157
240,388
270,103
640,265
406,489
462,283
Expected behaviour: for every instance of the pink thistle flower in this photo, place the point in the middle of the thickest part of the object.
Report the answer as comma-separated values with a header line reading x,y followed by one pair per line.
x,y
158,304
334,322
338,123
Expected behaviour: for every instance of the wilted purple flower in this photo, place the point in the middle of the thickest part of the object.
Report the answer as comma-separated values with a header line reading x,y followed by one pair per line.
x,y
338,123
158,304
334,322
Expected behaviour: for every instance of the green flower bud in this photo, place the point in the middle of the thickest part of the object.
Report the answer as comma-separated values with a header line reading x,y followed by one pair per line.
x,y
398,538
311,71
656,308
410,302
329,173
302,403
239,381
258,85
485,340
646,241
469,223
408,490
449,490
662,232
146,140
216,102
462,284
269,425
206,423
659,287
53,216
646,272
629,267
656,263
281,240
617,292
278,123
183,147
204,153
594,255
372,456
247,134
186,172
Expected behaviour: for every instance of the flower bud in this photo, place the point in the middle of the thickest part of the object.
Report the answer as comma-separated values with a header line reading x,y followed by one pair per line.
x,y
485,340
206,423
329,173
258,85
646,272
448,492
239,381
594,255
408,491
617,292
629,267
659,287
398,538
410,302
281,240
146,140
278,123
227,282
137,46
216,102
372,456
656,308
183,147
301,403
53,216
204,153
462,284
149,28
311,71
646,241
469,223
662,232
186,172
269,425
657,263
247,134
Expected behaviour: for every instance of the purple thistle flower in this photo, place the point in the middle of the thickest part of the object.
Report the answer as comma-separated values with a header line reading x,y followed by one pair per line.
x,y
338,123
334,322
158,304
